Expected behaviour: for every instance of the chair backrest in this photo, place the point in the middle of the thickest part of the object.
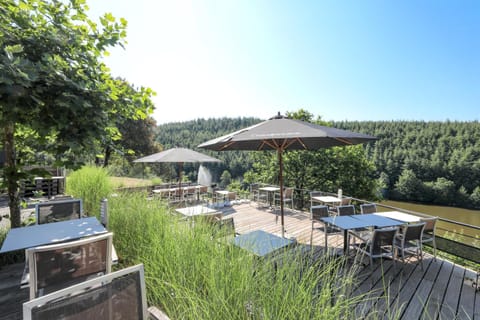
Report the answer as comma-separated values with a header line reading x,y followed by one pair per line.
x,y
202,189
228,224
346,210
345,201
381,238
315,194
318,212
288,193
413,231
117,295
430,224
368,208
254,187
209,217
104,212
225,228
54,211
57,266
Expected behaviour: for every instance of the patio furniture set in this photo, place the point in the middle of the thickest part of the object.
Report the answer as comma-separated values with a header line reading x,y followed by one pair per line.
x,y
375,234
68,261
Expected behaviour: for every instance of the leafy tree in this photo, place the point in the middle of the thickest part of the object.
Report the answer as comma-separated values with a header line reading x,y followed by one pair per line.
x,y
408,185
225,179
53,83
130,132
475,197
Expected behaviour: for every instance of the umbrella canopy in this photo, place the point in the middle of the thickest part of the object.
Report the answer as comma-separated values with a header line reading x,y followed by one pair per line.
x,y
177,155
281,133
180,156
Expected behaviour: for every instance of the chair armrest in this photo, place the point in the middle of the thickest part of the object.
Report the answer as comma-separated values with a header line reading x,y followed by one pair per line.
x,y
156,314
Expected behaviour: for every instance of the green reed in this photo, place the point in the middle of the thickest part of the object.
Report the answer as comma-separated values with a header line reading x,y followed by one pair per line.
x,y
191,274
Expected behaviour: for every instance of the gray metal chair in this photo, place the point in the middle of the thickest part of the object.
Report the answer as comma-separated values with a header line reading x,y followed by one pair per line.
x,y
287,197
379,244
57,266
409,240
314,194
346,210
118,295
368,208
316,213
58,210
257,196
429,233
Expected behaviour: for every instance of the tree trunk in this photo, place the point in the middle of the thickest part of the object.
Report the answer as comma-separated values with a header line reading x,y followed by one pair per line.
x,y
108,154
11,176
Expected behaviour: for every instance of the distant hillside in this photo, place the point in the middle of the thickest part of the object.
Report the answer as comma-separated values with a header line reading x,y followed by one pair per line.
x,y
433,162
192,133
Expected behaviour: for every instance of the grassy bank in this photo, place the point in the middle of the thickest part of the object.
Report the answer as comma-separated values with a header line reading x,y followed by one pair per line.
x,y
191,275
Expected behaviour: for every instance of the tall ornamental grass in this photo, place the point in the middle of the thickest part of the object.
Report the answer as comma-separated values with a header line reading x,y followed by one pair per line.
x,y
91,184
191,274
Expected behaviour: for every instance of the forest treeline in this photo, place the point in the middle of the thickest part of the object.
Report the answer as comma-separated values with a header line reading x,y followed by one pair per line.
x,y
430,162
192,133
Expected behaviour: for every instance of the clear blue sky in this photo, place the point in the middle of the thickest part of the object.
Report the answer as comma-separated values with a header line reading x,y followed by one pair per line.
x,y
341,60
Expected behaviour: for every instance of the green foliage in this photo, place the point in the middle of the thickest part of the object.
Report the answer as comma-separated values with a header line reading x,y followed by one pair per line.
x,y
408,185
57,98
191,275
190,134
475,197
91,184
225,179
444,157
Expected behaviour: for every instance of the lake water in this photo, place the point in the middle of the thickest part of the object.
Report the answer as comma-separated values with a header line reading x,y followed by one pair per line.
x,y
457,214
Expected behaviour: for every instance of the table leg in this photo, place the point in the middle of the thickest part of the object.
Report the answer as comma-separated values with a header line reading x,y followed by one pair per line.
x,y
345,242
326,235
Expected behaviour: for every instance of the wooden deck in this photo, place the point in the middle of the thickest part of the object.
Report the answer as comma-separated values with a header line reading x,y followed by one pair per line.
x,y
442,290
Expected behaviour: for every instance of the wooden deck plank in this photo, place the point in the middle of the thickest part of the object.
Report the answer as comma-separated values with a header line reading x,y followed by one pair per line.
x,y
373,286
450,303
466,307
415,308
437,295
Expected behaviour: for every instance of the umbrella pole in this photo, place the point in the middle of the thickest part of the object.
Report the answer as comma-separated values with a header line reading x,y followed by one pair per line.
x,y
180,191
280,180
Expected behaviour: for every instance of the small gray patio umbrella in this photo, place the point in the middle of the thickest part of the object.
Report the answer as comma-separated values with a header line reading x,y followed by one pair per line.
x,y
281,133
179,156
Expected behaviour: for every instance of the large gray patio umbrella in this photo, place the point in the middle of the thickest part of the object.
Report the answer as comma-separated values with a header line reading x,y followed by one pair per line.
x,y
281,133
179,156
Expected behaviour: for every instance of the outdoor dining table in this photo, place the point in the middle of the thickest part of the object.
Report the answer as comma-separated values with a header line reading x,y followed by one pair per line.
x,y
400,216
49,233
329,200
195,210
270,191
225,195
357,221
377,221
261,243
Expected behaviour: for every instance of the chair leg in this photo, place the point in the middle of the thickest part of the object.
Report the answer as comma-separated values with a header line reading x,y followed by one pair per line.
x,y
311,236
434,249
421,254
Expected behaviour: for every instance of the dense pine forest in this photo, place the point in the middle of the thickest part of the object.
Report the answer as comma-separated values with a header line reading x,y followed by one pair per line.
x,y
430,162
192,133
